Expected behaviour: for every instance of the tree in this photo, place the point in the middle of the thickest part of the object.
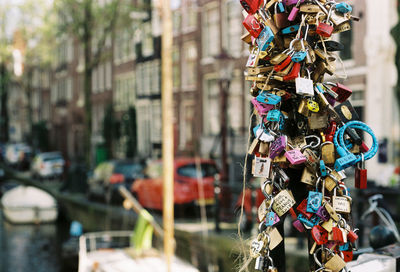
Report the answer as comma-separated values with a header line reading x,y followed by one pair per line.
x,y
92,22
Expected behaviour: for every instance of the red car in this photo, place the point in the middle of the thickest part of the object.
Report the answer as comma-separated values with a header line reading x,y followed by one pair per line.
x,y
187,182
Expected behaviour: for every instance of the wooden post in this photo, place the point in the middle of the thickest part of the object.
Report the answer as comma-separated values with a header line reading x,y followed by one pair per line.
x,y
167,133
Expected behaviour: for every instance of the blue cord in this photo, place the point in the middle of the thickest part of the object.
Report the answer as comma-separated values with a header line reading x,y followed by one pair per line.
x,y
340,144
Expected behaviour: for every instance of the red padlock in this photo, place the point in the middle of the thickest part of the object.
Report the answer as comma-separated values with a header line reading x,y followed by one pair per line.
x,y
347,256
319,234
360,175
343,92
302,208
252,25
251,6
294,73
324,29
352,236
279,67
337,236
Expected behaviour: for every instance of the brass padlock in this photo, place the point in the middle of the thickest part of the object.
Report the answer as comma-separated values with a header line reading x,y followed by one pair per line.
x,y
328,153
275,238
253,146
312,162
328,225
303,108
342,28
331,212
308,177
335,263
263,148
341,203
283,202
330,183
318,121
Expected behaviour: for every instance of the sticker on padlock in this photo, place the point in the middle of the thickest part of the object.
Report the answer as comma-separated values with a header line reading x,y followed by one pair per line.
x,y
265,38
262,167
341,203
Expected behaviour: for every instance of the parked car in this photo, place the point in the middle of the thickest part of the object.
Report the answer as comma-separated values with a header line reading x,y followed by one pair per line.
x,y
18,155
109,175
48,165
186,183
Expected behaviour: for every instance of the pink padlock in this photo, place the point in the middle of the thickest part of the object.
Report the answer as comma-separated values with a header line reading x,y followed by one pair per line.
x,y
295,157
295,10
261,108
292,2
299,226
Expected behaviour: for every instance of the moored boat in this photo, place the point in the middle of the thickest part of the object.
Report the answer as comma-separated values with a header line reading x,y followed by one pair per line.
x,y
27,204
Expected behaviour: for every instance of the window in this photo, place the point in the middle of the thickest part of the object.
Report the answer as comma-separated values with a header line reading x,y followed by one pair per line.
x,y
124,94
233,28
190,170
211,32
124,46
176,21
187,118
189,16
211,107
189,64
147,43
108,81
235,105
155,74
155,123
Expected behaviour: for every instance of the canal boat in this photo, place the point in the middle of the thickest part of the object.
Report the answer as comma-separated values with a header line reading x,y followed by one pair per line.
x,y
27,204
111,251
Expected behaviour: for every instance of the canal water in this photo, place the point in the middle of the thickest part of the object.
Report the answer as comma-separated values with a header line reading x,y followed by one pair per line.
x,y
32,247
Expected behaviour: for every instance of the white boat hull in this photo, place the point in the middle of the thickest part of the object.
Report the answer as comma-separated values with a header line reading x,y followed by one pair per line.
x,y
26,204
27,215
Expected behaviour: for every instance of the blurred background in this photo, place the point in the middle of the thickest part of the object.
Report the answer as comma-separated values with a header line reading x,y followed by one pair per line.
x,y
80,96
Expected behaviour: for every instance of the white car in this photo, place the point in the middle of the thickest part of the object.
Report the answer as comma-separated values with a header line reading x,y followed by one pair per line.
x,y
16,152
48,165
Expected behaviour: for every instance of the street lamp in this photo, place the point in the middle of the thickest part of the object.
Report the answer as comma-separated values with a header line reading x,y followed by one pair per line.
x,y
223,65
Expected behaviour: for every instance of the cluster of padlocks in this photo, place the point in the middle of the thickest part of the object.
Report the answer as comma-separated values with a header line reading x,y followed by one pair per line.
x,y
304,124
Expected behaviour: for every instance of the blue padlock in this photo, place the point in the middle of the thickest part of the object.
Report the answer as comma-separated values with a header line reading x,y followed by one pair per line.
x,y
270,99
281,7
299,56
345,162
343,7
305,221
314,201
344,247
271,219
290,29
274,116
265,38
322,168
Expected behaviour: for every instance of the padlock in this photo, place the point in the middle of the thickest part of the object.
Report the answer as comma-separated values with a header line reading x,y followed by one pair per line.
x,y
252,25
293,73
263,148
253,146
251,6
303,108
312,162
319,235
347,255
261,108
270,99
305,86
341,203
302,208
308,177
275,238
360,175
308,223
295,157
271,219
295,11
328,225
262,134
328,153
271,267
335,263
298,225
265,38
283,202
258,245
331,182
325,29
343,7
331,212
277,146
322,169
253,59
274,116
314,199
269,21
293,2
343,91
337,236
280,17
259,265
290,29
262,167
312,105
